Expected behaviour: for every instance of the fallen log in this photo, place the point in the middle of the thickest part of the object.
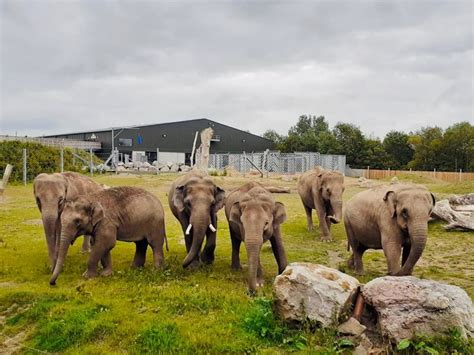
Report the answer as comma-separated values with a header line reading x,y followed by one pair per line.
x,y
467,199
278,190
456,219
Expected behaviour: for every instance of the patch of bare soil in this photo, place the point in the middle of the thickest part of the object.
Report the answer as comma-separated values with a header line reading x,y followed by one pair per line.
x,y
34,222
334,259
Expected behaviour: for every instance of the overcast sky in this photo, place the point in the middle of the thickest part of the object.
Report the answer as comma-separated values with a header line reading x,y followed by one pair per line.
x,y
382,65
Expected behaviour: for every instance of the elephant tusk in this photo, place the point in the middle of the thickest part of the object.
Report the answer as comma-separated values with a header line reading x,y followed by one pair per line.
x,y
212,228
189,228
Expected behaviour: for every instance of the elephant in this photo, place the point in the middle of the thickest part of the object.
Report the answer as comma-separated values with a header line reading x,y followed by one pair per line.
x,y
254,217
391,218
194,200
51,191
128,214
322,190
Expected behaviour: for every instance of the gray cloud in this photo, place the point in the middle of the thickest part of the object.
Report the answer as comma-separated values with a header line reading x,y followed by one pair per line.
x,y
68,66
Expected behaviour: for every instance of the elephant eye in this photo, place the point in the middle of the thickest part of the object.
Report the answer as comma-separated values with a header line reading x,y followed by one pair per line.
x,y
404,213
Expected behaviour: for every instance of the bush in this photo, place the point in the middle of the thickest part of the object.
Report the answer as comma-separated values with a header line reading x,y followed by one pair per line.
x,y
40,159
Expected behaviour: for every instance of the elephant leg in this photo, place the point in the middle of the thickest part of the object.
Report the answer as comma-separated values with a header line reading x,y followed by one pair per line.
x,y
101,247
140,253
207,256
279,252
309,218
235,250
392,250
357,253
106,262
405,253
86,244
350,262
156,242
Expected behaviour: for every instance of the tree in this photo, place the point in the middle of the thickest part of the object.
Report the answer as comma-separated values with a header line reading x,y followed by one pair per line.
x,y
458,147
275,137
351,143
397,146
427,144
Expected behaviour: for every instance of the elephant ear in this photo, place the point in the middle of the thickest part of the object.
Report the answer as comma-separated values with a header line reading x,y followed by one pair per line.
x,y
235,213
178,198
96,213
279,213
219,197
391,201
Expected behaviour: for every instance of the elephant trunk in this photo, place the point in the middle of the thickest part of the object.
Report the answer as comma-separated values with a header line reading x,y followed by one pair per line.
x,y
200,222
336,207
64,243
253,244
51,229
418,236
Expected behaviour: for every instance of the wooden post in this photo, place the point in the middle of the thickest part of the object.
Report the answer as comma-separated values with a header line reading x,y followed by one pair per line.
x,y
6,177
368,172
157,161
460,175
24,166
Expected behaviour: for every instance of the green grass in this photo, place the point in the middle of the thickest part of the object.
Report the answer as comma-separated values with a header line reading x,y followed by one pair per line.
x,y
206,310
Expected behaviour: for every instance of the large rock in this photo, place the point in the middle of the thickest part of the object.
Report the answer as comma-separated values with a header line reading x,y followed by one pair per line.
x,y
174,168
184,168
407,306
315,292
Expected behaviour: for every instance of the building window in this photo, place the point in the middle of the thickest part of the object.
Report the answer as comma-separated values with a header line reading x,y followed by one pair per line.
x,y
125,142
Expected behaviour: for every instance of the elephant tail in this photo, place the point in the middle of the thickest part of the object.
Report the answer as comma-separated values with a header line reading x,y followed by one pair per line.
x,y
166,241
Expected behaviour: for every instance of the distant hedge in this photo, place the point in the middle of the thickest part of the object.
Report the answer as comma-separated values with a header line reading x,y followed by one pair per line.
x,y
40,159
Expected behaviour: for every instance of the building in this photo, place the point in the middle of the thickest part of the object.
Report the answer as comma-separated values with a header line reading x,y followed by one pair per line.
x,y
173,139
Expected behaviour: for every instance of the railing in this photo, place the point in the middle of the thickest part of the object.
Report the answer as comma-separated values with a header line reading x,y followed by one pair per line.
x,y
56,142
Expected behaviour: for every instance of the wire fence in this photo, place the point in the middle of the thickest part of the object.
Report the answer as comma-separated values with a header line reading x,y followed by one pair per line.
x,y
277,162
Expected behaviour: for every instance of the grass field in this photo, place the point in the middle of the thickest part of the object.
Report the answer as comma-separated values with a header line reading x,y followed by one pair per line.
x,y
206,310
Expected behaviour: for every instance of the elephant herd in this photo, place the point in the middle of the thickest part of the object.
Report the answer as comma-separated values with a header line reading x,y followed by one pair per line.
x,y
393,218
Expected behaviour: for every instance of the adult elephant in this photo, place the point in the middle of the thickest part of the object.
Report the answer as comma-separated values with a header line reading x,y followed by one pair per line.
x,y
254,217
51,191
194,200
322,190
391,218
129,214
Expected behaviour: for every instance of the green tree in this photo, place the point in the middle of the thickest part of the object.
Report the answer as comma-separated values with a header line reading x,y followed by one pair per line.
x,y
458,147
427,143
397,146
351,143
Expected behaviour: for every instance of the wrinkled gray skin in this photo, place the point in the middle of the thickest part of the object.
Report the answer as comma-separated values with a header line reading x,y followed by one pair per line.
x,y
51,190
195,199
128,214
391,218
254,217
322,190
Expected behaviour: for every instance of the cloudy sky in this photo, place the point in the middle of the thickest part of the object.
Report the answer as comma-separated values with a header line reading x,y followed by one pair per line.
x,y
382,65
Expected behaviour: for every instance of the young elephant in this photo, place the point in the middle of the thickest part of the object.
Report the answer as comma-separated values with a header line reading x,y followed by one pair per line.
x,y
322,190
389,218
195,200
51,190
121,213
254,217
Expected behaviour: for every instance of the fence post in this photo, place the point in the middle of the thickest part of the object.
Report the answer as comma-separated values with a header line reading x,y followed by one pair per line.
x,y
24,166
91,164
460,175
368,172
434,172
62,159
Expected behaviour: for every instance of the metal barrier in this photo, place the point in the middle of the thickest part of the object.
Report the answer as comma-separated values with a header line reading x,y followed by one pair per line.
x,y
277,162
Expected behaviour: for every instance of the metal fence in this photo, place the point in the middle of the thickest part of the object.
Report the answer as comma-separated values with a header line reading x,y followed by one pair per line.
x,y
276,162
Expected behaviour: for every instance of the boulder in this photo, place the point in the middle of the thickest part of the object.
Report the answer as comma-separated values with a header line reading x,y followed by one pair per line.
x,y
120,168
352,327
407,306
164,169
394,181
146,165
184,168
361,179
315,292
366,183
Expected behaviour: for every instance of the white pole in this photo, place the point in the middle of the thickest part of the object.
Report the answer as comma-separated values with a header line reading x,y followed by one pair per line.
x,y
24,166
194,148
91,165
62,159
157,161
